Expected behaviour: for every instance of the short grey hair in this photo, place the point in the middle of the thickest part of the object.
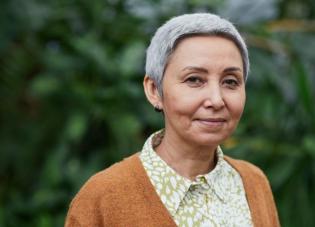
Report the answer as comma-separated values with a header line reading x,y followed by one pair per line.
x,y
164,41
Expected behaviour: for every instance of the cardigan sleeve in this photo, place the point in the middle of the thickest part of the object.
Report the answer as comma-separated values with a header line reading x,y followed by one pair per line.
x,y
72,221
84,209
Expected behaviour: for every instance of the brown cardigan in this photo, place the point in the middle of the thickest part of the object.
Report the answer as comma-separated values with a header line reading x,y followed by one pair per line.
x,y
123,195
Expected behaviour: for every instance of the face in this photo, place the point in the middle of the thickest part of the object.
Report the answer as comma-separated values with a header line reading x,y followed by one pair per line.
x,y
203,91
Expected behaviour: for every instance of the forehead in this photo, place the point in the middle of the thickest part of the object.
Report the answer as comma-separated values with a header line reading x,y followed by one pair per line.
x,y
182,39
200,35
193,48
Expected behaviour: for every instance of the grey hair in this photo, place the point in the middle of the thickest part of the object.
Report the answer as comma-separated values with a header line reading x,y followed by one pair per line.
x,y
164,41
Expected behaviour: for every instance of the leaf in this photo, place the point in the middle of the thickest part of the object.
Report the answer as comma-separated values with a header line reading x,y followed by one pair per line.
x,y
75,127
304,89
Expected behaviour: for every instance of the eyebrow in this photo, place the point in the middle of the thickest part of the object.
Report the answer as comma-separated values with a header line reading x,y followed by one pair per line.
x,y
201,69
195,68
232,69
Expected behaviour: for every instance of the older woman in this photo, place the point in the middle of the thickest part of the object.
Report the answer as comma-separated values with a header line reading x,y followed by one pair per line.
x,y
196,69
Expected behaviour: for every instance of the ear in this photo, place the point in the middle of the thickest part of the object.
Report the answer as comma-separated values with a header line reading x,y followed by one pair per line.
x,y
151,92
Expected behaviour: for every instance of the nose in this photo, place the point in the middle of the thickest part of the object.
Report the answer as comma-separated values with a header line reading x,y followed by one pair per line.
x,y
213,97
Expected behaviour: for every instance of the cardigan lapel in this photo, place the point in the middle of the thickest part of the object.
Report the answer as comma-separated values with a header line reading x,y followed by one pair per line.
x,y
159,212
258,193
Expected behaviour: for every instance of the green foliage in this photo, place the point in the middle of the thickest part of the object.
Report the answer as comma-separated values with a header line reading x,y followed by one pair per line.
x,y
72,101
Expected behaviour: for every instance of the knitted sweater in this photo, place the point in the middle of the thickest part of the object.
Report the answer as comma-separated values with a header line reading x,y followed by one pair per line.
x,y
123,195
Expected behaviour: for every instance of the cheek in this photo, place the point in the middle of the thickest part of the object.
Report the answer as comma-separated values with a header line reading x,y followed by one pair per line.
x,y
180,103
236,106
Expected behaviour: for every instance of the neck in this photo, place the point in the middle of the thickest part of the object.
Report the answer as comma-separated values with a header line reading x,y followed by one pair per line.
x,y
186,159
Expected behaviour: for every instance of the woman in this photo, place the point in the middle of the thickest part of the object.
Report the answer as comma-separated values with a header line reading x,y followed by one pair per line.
x,y
196,68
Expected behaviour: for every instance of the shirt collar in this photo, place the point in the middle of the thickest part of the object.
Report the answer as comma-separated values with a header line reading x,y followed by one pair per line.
x,y
214,179
167,176
219,176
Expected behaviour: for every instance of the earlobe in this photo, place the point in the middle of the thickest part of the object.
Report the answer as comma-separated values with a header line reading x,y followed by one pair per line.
x,y
151,92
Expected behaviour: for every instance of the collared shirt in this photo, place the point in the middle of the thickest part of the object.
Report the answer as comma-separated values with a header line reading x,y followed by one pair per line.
x,y
214,199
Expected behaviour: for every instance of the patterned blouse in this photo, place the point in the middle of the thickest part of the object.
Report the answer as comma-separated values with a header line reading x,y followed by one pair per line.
x,y
214,199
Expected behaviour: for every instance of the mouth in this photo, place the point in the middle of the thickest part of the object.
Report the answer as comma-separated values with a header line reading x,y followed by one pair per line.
x,y
211,122
211,119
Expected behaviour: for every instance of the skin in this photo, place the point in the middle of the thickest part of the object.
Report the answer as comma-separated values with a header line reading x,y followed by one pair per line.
x,y
203,100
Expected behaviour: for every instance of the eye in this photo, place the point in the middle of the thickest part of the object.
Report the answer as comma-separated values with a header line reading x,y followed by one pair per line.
x,y
194,81
230,82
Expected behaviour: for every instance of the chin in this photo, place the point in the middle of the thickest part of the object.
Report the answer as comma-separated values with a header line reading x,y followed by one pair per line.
x,y
207,142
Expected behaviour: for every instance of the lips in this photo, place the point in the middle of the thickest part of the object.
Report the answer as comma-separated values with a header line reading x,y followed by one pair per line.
x,y
211,122
212,119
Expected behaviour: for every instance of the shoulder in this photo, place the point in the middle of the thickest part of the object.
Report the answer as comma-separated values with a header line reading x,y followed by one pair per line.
x,y
246,169
102,192
119,173
109,184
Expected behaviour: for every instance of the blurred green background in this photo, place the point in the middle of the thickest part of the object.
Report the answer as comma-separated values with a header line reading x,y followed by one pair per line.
x,y
72,102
